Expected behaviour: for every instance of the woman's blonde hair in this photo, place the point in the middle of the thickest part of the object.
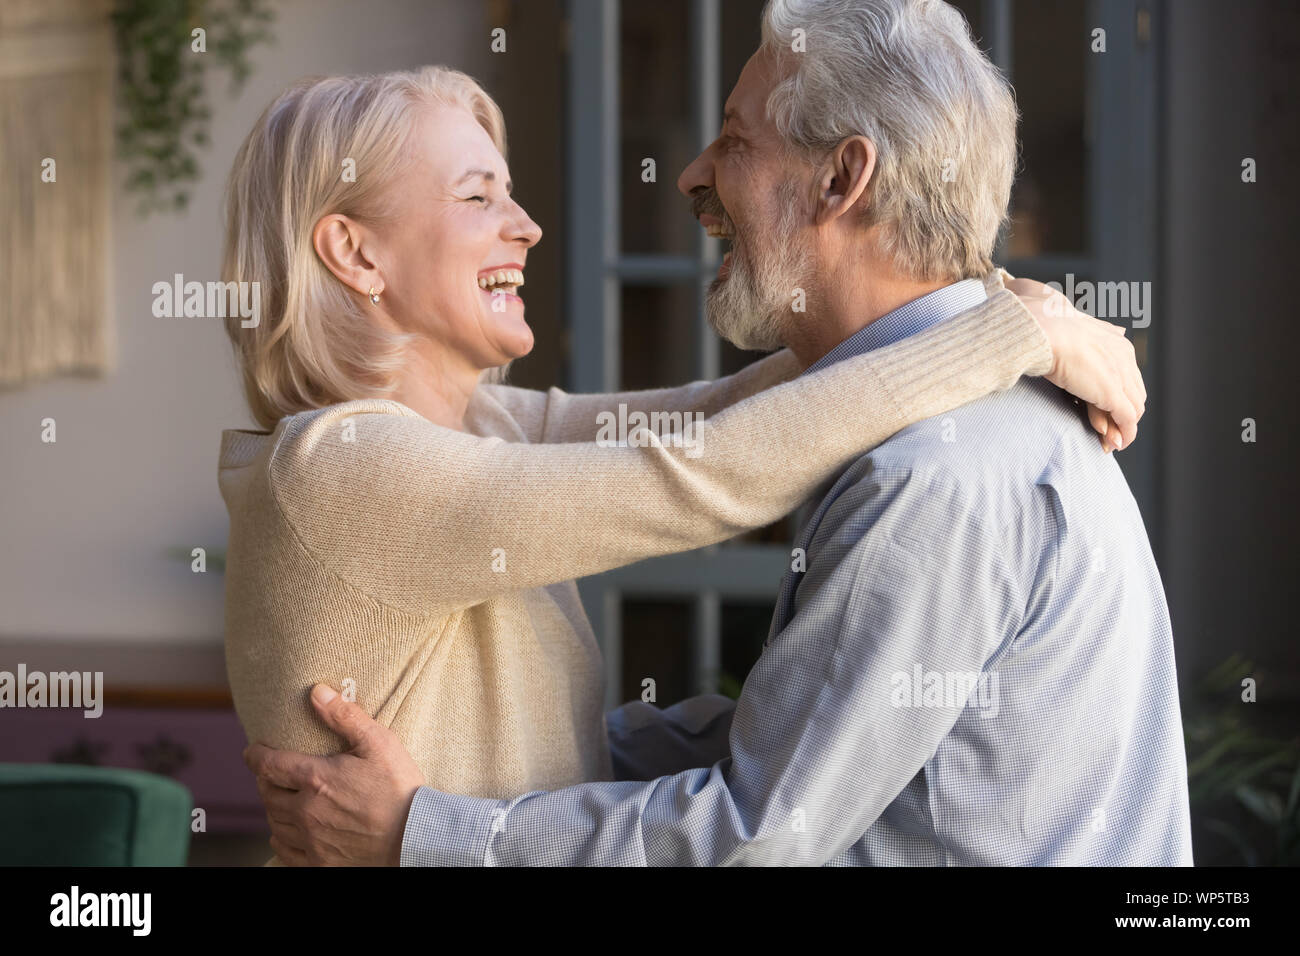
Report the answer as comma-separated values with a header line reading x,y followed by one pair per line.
x,y
313,345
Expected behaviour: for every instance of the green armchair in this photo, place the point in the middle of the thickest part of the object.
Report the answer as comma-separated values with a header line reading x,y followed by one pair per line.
x,y
69,815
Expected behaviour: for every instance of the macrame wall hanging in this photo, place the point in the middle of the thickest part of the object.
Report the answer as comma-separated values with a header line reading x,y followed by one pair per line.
x,y
56,77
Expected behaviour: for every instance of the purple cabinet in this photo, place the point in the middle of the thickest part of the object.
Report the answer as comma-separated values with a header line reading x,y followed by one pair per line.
x,y
199,746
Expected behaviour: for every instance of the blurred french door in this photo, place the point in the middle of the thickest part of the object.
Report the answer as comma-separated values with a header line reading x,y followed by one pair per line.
x,y
646,84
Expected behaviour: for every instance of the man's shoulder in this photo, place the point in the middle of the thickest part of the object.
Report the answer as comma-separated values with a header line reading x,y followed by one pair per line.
x,y
1031,416
985,460
994,440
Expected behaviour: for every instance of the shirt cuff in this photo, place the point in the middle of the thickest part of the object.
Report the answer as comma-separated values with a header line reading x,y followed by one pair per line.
x,y
443,829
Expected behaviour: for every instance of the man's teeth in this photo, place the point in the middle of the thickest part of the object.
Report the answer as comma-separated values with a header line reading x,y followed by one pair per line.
x,y
502,277
719,232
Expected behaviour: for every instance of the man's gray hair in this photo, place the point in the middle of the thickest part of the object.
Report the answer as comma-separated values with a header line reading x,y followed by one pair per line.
x,y
907,75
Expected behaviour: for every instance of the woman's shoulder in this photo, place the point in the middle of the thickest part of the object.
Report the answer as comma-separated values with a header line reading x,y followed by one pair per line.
x,y
347,419
324,449
350,459
327,415
305,433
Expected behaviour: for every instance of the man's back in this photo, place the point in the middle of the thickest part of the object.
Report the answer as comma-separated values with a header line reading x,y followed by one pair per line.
x,y
993,577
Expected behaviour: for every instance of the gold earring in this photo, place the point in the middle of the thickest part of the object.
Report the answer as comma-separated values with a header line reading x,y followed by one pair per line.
x,y
374,296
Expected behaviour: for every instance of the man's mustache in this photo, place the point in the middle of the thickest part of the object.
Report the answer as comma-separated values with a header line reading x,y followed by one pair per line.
x,y
707,203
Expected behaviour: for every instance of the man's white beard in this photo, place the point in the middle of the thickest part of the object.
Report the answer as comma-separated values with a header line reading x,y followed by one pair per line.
x,y
752,307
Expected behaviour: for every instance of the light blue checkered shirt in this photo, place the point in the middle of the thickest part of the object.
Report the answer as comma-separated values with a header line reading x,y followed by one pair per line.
x,y
970,663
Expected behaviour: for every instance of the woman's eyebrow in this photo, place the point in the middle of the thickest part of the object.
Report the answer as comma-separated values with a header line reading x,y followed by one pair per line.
x,y
485,174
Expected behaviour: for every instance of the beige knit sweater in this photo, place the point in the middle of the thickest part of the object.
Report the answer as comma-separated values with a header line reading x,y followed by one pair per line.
x,y
432,570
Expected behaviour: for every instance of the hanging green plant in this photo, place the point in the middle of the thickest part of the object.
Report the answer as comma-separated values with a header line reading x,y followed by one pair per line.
x,y
163,48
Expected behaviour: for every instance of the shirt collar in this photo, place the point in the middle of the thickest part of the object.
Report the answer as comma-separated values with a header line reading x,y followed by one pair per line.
x,y
916,316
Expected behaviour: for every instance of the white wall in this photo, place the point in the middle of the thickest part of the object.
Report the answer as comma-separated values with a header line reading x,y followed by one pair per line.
x,y
86,522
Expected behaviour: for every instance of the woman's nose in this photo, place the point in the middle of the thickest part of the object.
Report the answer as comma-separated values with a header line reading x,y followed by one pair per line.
x,y
523,229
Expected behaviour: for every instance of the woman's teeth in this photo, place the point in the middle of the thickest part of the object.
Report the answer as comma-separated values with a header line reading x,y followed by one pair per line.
x,y
510,279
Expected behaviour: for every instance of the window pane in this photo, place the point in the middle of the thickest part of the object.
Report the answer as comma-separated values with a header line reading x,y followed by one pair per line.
x,y
741,32
973,11
1048,206
780,533
732,359
658,336
656,644
744,629
655,120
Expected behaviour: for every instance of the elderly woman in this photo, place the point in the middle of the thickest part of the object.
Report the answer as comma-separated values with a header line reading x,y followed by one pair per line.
x,y
409,533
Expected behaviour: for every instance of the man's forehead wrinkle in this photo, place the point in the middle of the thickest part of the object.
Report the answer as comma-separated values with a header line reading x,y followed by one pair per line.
x,y
749,105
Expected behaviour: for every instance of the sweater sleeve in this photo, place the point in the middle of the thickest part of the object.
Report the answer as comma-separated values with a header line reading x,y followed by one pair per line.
x,y
555,416
430,520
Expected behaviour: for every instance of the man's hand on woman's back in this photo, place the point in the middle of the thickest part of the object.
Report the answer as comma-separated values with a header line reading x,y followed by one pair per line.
x,y
348,809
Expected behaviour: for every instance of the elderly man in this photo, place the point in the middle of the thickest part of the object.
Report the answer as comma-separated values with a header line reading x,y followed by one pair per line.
x,y
971,659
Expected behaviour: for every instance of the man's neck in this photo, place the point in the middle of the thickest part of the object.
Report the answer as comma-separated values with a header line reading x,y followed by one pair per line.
x,y
840,310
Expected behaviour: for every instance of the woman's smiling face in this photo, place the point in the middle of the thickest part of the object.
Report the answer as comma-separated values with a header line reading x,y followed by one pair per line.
x,y
453,254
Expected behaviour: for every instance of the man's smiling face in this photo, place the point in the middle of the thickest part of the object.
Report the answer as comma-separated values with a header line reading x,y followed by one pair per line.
x,y
749,188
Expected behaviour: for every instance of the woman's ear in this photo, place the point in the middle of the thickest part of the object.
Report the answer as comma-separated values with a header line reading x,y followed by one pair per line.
x,y
844,178
337,240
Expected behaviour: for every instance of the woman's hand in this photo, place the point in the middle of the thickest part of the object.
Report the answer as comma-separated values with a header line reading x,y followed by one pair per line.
x,y
1091,360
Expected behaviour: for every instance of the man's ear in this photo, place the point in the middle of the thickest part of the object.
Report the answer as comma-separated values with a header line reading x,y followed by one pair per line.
x,y
844,177
338,242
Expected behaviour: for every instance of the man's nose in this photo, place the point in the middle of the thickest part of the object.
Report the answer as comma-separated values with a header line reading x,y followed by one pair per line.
x,y
697,175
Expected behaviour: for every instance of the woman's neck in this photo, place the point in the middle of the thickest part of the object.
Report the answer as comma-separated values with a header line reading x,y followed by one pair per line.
x,y
435,385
